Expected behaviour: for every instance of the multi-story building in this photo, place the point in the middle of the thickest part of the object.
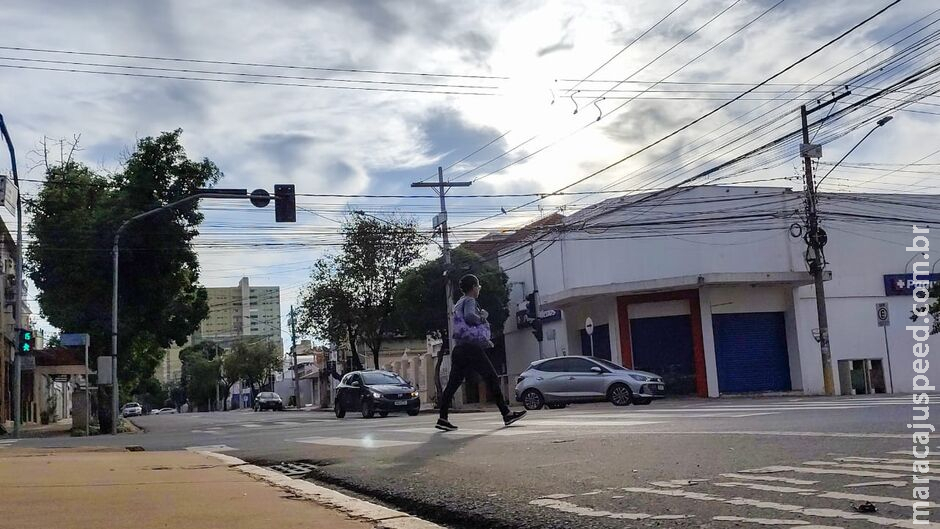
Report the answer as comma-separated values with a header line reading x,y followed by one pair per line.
x,y
7,329
235,313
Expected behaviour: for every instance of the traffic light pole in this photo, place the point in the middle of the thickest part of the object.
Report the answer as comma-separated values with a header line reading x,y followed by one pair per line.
x,y
535,299
18,301
293,350
115,254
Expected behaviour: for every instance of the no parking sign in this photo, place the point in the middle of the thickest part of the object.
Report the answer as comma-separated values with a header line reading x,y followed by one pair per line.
x,y
884,318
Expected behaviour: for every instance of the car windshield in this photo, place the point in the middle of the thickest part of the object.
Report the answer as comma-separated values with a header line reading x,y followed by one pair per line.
x,y
132,405
609,365
268,395
382,378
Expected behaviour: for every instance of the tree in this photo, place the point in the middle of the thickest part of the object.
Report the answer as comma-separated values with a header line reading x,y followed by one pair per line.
x,y
201,373
74,219
351,296
421,295
251,362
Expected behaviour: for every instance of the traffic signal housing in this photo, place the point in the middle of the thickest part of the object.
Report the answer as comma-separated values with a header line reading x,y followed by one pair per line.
x,y
26,341
530,311
537,329
285,206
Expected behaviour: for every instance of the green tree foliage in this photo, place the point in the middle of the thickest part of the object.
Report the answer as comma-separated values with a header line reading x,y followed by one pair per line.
x,y
351,296
201,373
421,294
252,362
74,219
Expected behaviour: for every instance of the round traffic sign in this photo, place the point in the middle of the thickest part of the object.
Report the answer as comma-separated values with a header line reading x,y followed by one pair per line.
x,y
260,198
589,326
883,313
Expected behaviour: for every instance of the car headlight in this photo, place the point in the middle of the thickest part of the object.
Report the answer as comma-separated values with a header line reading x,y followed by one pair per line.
x,y
414,393
640,378
376,394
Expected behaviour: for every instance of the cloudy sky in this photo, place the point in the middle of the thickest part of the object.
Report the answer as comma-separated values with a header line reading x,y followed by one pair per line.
x,y
362,108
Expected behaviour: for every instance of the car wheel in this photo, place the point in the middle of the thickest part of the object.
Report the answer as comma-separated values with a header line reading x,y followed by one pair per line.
x,y
532,399
558,406
338,409
620,394
368,411
383,414
642,401
413,413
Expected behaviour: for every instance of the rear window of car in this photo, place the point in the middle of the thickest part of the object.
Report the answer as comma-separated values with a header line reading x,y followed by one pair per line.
x,y
551,366
610,365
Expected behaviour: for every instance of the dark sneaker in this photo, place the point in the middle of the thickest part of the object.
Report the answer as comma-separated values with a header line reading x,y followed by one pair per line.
x,y
513,417
443,424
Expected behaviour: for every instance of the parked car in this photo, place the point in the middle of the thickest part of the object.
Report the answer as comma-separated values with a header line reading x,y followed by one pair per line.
x,y
268,400
132,409
560,381
373,392
164,411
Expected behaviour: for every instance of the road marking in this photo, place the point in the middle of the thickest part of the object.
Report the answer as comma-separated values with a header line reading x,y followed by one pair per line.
x,y
251,425
678,483
880,484
213,432
6,443
785,434
289,423
502,432
883,460
791,481
900,502
808,470
211,448
793,509
559,422
765,521
765,488
571,508
891,468
364,442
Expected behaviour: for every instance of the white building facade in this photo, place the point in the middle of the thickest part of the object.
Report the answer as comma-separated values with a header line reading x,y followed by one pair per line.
x,y
709,286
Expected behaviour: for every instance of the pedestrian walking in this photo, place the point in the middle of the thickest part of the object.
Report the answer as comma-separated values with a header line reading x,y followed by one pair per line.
x,y
472,338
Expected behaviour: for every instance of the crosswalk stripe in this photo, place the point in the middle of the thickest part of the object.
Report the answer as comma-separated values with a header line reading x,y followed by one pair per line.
x,y
288,423
890,468
808,470
562,422
251,425
504,432
791,481
364,442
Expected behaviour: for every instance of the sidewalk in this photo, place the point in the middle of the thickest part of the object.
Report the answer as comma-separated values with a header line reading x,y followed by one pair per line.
x,y
106,488
30,429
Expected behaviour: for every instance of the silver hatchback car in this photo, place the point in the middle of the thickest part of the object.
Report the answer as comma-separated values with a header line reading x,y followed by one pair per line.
x,y
559,381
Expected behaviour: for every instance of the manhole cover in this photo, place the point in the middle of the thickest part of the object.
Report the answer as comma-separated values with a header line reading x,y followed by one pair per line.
x,y
294,469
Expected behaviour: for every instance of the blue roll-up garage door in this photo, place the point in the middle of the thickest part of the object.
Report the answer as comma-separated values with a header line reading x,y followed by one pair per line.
x,y
663,346
751,352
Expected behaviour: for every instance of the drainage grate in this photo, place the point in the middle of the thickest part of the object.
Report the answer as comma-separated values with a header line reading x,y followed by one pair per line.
x,y
294,469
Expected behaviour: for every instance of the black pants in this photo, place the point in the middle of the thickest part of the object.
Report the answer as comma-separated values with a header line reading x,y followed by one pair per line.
x,y
464,359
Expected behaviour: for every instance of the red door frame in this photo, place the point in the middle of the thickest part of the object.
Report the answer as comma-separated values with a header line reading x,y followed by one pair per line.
x,y
698,340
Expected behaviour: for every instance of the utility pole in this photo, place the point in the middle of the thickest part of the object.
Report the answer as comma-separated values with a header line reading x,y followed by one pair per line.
x,y
816,238
537,323
18,301
293,350
440,188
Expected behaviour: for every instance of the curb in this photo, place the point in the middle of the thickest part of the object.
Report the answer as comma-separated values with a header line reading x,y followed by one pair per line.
x,y
383,517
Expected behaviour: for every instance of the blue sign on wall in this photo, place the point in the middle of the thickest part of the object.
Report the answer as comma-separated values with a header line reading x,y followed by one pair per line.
x,y
903,284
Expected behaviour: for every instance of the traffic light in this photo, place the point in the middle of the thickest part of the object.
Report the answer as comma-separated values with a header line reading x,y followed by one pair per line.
x,y
530,311
285,207
537,329
26,341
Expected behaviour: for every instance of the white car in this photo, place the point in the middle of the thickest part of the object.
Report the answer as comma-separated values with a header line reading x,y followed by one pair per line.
x,y
132,409
164,411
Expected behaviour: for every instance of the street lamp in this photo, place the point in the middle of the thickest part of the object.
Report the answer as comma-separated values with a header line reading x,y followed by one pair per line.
x,y
881,122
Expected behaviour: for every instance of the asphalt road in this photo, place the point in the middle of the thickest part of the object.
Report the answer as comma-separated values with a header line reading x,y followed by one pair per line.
x,y
768,462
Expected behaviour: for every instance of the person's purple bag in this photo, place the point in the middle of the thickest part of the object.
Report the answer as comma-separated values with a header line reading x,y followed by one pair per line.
x,y
466,333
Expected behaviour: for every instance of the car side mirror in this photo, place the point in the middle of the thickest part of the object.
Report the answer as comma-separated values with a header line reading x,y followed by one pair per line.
x,y
597,370
355,384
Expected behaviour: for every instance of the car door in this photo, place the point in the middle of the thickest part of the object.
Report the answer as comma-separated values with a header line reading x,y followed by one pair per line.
x,y
552,379
354,392
585,383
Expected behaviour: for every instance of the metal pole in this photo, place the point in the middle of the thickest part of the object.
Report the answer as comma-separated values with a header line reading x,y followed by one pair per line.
x,y
535,294
888,358
17,303
818,265
293,349
87,395
114,329
592,344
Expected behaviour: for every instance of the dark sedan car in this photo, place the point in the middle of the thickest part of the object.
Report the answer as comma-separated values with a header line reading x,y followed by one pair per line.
x,y
374,392
268,400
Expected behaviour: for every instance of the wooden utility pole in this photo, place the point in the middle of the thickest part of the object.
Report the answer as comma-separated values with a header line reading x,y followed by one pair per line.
x,y
440,220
